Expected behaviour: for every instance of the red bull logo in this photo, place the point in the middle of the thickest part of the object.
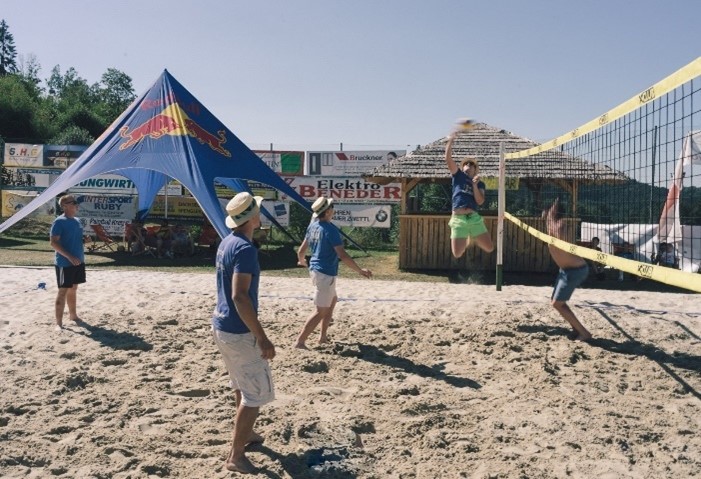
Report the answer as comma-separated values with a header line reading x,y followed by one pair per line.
x,y
154,128
173,121
206,138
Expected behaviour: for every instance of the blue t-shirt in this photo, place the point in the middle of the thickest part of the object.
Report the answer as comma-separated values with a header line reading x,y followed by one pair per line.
x,y
236,254
323,237
70,232
463,192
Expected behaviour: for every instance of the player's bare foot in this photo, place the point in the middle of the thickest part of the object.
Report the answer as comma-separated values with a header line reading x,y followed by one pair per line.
x,y
242,465
576,336
301,346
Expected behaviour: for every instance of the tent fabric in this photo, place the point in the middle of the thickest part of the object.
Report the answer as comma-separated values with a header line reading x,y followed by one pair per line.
x,y
167,132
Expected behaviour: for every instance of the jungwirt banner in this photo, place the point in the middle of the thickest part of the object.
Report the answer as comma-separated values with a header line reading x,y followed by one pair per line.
x,y
106,184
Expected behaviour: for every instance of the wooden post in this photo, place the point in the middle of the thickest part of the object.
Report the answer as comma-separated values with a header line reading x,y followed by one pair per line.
x,y
500,219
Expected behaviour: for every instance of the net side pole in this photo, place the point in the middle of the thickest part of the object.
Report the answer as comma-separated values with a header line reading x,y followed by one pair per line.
x,y
500,218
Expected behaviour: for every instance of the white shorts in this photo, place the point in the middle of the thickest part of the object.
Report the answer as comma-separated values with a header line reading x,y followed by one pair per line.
x,y
249,372
325,288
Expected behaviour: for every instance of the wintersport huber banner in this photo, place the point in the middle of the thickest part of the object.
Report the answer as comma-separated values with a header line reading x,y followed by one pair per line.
x,y
345,190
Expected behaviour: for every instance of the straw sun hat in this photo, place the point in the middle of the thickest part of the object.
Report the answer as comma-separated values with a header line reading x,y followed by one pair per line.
x,y
320,205
242,208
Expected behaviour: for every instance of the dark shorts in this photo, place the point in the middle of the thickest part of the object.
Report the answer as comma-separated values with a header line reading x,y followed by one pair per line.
x,y
68,276
567,280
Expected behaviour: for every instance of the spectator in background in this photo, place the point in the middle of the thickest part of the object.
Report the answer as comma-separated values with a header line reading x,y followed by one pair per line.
x,y
667,256
182,241
164,235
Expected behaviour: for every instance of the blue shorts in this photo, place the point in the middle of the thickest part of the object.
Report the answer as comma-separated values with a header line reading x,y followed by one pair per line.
x,y
567,280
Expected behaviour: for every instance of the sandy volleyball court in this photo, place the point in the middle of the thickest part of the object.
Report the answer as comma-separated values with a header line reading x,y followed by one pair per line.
x,y
421,380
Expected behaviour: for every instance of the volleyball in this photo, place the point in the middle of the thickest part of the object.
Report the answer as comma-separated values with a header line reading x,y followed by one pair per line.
x,y
465,123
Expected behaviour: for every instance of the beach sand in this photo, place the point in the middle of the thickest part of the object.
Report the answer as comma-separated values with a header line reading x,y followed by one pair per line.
x,y
421,380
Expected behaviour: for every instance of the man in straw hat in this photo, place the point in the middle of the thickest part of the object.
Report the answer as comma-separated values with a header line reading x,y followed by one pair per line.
x,y
238,334
324,239
468,193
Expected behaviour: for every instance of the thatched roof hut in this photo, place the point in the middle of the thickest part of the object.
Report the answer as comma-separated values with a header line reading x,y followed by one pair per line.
x,y
427,165
483,142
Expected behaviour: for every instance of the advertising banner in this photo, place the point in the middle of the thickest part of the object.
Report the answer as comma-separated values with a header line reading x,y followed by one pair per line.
x,y
62,156
362,216
258,189
106,184
174,189
113,226
28,178
344,190
21,154
283,162
280,210
101,206
347,163
179,207
13,201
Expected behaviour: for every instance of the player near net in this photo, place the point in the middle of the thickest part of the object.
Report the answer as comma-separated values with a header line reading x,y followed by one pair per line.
x,y
573,271
468,193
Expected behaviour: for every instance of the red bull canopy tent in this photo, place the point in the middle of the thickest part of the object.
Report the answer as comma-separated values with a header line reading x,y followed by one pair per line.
x,y
167,133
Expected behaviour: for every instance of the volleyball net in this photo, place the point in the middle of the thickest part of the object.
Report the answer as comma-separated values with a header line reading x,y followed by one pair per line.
x,y
628,182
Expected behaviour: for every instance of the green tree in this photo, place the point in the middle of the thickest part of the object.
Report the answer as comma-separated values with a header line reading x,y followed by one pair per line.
x,y
8,53
28,71
116,93
73,135
17,110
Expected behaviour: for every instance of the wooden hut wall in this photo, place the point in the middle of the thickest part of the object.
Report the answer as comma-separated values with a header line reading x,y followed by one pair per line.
x,y
424,243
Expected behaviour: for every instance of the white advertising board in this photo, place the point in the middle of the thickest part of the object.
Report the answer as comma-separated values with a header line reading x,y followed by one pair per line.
x,y
21,154
280,210
112,212
362,216
347,163
29,177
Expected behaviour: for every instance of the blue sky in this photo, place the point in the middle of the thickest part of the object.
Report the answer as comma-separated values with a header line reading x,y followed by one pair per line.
x,y
372,74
